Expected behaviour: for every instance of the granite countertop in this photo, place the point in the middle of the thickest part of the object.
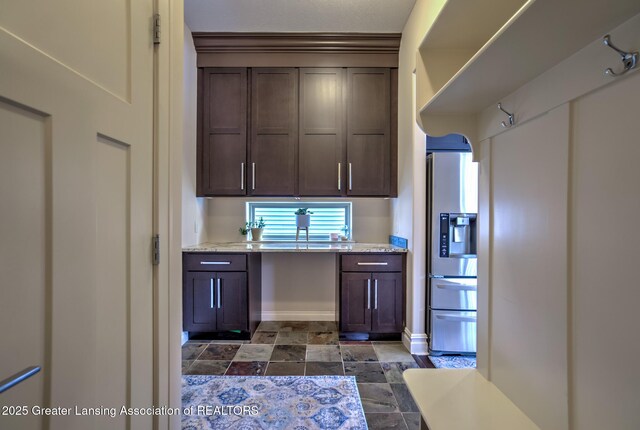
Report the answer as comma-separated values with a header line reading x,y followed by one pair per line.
x,y
336,246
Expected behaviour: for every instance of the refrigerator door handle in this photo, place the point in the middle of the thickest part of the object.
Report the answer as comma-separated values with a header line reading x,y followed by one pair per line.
x,y
456,318
456,287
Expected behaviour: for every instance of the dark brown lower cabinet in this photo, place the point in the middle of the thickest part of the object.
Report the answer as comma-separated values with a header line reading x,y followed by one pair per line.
x,y
386,316
372,302
221,301
355,310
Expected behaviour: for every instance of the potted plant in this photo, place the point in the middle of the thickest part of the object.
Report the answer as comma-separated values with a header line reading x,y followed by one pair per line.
x,y
244,230
303,217
345,233
257,228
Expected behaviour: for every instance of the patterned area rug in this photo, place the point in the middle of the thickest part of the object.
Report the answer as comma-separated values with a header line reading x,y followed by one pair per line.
x,y
271,403
453,362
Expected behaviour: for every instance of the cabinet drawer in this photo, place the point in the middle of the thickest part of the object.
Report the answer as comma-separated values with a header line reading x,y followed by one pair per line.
x,y
454,331
371,263
454,293
215,262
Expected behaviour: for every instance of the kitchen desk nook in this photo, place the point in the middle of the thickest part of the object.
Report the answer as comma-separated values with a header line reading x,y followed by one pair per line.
x,y
222,287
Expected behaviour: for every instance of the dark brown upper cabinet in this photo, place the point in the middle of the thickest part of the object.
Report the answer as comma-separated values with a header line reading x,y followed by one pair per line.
x,y
222,149
321,156
274,132
323,132
369,148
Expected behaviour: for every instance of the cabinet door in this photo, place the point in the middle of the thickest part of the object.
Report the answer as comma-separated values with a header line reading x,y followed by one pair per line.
x,y
387,303
223,150
274,132
368,132
232,305
321,148
199,301
356,302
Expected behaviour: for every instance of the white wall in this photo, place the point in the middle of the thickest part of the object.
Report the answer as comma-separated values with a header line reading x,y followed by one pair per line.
x,y
194,228
604,241
528,266
298,286
408,210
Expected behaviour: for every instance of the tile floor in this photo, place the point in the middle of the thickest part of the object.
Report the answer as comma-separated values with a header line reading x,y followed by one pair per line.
x,y
313,348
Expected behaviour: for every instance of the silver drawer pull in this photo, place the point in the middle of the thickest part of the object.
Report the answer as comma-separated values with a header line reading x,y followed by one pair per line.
x,y
373,264
211,294
375,283
339,171
219,296
18,378
368,293
211,263
350,178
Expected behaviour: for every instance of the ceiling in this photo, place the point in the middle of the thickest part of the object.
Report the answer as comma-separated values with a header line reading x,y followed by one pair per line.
x,y
360,16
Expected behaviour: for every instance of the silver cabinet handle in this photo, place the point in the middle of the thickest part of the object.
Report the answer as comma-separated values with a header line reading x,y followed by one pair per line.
x,y
214,263
350,179
372,264
368,293
211,294
339,171
18,378
375,283
253,176
219,296
242,176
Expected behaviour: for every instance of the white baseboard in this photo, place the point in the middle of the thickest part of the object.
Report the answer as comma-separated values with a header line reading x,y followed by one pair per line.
x,y
298,316
416,343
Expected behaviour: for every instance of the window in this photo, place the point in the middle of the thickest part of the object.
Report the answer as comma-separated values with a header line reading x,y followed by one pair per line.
x,y
280,219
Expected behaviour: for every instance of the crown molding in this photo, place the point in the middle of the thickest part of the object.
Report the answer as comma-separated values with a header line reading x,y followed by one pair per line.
x,y
354,43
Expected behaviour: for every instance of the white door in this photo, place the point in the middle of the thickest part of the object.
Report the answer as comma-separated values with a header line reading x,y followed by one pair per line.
x,y
76,182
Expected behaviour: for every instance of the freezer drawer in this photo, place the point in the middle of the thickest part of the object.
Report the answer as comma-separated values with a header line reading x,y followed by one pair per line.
x,y
453,332
454,293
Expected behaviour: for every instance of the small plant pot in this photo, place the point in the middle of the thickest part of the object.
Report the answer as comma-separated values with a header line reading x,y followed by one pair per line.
x,y
303,220
256,234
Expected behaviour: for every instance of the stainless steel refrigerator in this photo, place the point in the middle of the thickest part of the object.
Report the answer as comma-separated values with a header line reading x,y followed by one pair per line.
x,y
452,206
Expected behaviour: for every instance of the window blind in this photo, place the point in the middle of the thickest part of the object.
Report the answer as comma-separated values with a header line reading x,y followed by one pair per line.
x,y
280,219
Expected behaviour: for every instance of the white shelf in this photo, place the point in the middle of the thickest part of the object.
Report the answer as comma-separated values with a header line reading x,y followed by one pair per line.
x,y
538,36
462,399
460,30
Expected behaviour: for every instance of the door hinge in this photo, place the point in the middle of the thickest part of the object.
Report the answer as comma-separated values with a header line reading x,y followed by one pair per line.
x,y
155,257
156,29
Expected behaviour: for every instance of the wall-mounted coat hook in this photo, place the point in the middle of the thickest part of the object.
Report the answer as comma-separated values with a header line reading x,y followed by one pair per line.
x,y
629,59
510,115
